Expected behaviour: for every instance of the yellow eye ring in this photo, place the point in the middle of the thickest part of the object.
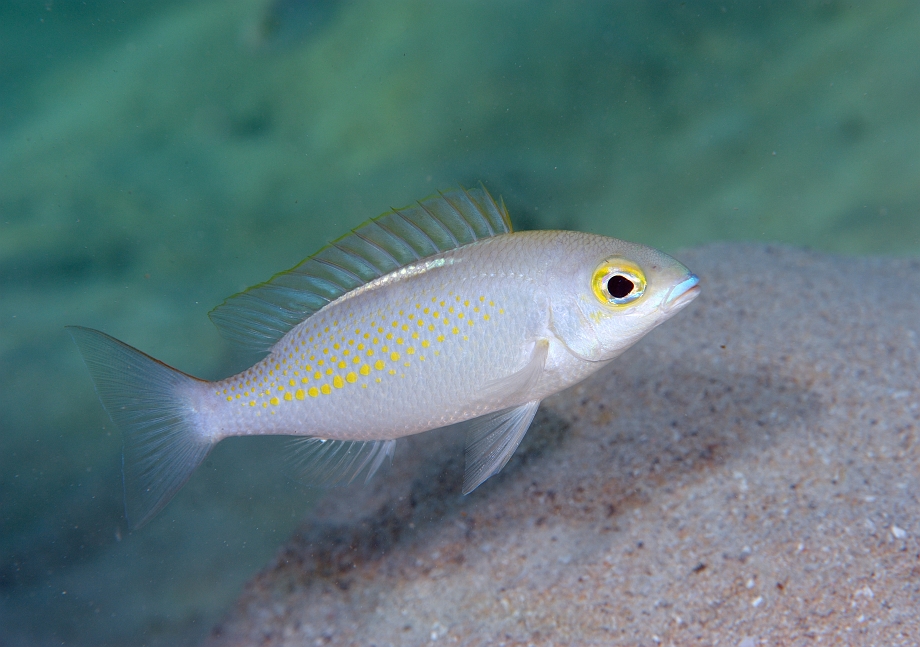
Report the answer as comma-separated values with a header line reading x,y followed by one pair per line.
x,y
618,282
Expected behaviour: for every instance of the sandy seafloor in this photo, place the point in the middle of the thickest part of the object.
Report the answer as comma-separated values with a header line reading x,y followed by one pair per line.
x,y
747,475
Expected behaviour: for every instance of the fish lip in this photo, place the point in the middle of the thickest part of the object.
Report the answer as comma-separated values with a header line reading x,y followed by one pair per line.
x,y
683,293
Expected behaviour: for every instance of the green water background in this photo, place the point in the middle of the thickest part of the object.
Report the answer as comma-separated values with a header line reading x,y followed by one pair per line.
x,y
156,157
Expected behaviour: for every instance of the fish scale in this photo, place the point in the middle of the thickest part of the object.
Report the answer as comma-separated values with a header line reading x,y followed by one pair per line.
x,y
433,315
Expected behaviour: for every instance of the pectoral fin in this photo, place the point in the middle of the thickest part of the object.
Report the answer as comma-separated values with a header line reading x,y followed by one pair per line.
x,y
492,439
517,385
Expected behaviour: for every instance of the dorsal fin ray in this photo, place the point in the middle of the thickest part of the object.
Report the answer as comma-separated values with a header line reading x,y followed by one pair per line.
x,y
258,317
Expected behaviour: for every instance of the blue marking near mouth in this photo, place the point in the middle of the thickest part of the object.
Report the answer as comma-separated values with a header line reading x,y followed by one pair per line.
x,y
682,288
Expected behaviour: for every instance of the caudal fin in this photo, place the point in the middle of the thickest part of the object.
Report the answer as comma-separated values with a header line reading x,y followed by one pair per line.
x,y
152,405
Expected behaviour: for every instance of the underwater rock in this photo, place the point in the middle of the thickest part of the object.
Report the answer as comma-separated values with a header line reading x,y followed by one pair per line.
x,y
747,473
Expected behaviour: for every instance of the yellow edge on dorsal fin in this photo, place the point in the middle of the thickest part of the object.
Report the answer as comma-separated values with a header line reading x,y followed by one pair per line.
x,y
258,317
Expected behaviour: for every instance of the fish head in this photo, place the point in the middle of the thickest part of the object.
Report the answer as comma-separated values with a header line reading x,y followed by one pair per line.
x,y
612,292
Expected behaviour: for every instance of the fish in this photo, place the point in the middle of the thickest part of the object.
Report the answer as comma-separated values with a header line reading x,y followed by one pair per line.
x,y
430,316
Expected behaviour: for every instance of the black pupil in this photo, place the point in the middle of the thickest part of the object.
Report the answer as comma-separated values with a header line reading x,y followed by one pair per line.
x,y
619,286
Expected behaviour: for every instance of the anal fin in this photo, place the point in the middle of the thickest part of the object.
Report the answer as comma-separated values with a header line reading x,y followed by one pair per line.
x,y
328,463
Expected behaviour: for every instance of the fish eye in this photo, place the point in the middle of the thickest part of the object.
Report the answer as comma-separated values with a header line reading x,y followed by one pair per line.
x,y
618,282
619,286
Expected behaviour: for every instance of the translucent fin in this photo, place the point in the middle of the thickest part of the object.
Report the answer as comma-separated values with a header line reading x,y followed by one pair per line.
x,y
149,402
327,463
492,439
263,314
522,381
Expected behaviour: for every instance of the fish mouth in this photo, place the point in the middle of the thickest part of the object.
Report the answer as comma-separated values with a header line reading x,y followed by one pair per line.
x,y
682,293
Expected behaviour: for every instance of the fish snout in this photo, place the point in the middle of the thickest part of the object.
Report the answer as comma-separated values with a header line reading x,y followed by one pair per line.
x,y
682,293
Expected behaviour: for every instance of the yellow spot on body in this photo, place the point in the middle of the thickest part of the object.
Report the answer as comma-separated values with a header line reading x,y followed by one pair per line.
x,y
329,371
455,330
394,356
336,346
370,352
265,404
364,370
288,397
299,394
337,382
410,350
342,364
379,364
485,317
392,371
406,364
466,303
351,377
389,335
425,343
229,398
501,311
304,379
317,375
459,315
346,353
450,309
405,327
399,340
440,337
252,403
313,392
431,327
469,321
325,389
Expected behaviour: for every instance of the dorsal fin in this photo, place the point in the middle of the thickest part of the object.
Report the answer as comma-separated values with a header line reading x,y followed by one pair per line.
x,y
258,317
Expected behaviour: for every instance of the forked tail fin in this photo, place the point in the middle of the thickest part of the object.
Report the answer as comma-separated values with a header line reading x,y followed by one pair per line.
x,y
153,405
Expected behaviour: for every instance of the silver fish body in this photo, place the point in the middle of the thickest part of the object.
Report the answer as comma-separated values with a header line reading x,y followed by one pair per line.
x,y
477,334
